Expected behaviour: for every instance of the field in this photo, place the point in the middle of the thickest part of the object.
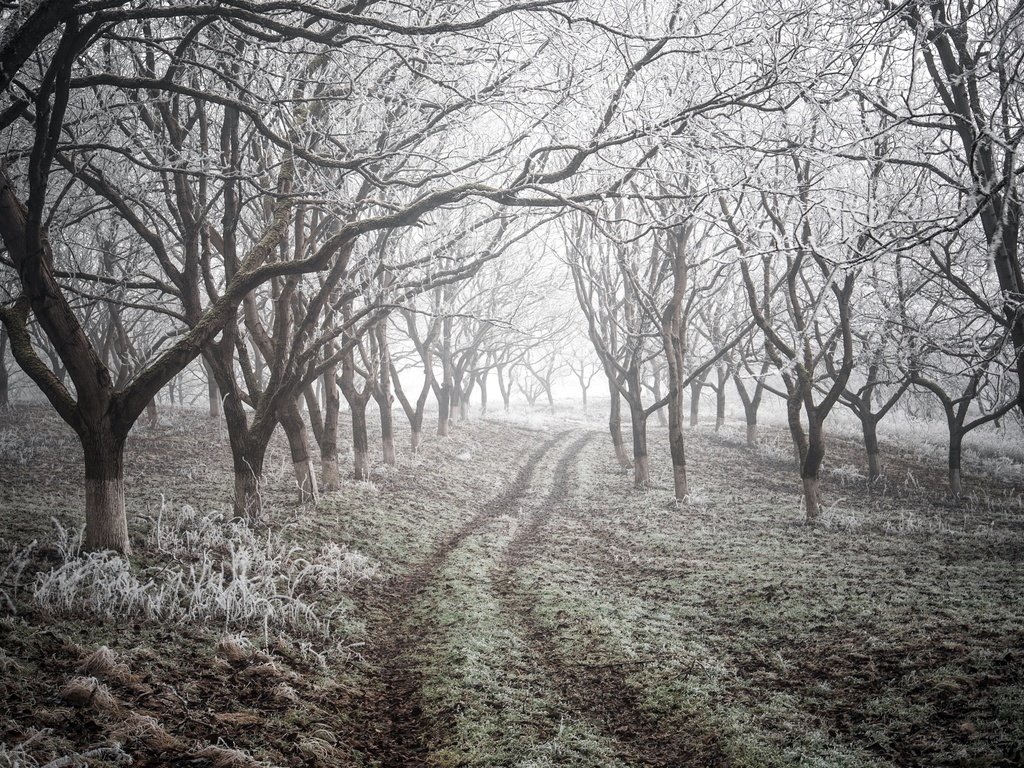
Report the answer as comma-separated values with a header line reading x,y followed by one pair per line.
x,y
506,598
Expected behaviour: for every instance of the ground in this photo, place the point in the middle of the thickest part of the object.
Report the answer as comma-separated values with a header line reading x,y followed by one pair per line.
x,y
506,598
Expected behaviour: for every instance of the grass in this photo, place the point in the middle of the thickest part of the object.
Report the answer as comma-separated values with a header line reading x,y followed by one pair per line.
x,y
577,623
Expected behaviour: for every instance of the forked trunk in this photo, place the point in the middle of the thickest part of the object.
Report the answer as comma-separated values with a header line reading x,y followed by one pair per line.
x,y
298,445
751,433
416,439
106,523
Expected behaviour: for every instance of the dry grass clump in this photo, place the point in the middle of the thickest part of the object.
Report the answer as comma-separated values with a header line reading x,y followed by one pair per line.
x,y
103,664
146,731
88,692
233,648
222,757
319,751
238,719
284,694
266,671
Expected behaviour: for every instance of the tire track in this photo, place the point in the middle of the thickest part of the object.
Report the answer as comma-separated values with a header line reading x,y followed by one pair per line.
x,y
598,693
394,733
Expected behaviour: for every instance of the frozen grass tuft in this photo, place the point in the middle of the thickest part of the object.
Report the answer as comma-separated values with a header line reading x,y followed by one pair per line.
x,y
15,560
773,449
18,756
212,569
847,474
145,730
103,664
88,692
21,446
234,648
222,757
835,519
909,523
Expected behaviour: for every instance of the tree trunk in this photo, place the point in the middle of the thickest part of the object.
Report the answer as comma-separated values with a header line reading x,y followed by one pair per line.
x,y
956,440
152,415
5,397
330,473
695,389
444,413
812,499
796,430
656,388
248,466
213,392
723,376
106,523
360,440
751,402
382,393
454,401
615,427
677,445
641,469
506,391
387,434
811,467
298,445
482,383
869,426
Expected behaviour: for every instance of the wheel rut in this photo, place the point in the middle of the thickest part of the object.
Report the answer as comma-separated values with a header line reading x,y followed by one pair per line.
x,y
394,732
599,694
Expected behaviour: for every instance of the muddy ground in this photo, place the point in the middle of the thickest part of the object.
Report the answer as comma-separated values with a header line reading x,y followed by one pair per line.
x,y
511,600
